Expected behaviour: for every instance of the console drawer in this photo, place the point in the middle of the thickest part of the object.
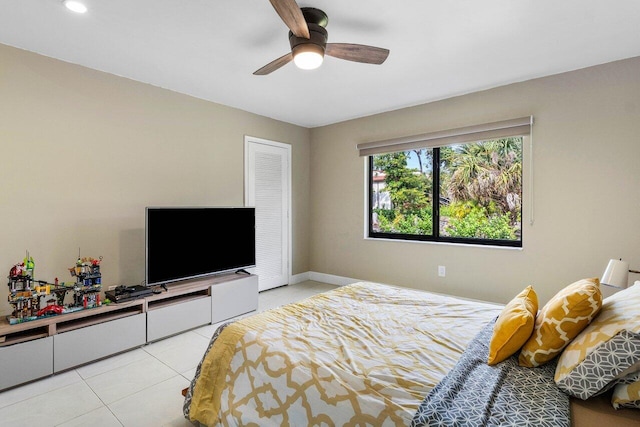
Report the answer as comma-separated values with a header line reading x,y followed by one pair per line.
x,y
26,361
90,343
179,317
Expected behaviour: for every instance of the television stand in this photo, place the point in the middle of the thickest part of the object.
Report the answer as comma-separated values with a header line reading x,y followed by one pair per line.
x,y
58,343
197,302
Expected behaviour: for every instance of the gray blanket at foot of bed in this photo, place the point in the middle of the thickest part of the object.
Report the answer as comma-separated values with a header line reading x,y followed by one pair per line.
x,y
475,394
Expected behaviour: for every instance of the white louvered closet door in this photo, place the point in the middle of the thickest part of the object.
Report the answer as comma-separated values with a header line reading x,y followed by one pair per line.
x,y
267,187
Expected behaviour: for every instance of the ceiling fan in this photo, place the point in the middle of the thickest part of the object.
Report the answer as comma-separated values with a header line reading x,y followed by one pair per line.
x,y
308,40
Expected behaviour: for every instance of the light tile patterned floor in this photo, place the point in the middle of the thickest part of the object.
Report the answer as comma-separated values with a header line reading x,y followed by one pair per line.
x,y
138,388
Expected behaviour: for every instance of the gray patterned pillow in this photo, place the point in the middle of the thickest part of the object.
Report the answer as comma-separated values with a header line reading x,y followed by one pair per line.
x,y
605,351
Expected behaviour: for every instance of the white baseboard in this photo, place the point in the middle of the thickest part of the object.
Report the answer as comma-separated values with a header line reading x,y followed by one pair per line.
x,y
299,278
322,277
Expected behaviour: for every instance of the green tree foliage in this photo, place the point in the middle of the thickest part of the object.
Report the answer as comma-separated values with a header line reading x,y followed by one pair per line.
x,y
419,222
488,173
474,221
482,181
407,187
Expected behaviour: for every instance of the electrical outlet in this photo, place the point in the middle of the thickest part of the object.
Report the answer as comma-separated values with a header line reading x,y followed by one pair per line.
x,y
442,271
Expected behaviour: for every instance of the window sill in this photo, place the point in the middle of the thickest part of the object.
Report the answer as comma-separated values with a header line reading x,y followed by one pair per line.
x,y
459,245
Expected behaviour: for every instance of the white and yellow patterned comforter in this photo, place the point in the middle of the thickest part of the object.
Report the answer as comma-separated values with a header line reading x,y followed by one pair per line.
x,y
363,354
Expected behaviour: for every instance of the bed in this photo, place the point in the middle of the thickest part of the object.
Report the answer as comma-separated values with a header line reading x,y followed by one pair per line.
x,y
369,354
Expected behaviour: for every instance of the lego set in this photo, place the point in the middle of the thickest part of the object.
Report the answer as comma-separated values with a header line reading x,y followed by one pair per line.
x,y
32,298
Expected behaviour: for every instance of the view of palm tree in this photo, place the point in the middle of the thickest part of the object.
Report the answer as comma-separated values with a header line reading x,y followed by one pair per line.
x,y
480,190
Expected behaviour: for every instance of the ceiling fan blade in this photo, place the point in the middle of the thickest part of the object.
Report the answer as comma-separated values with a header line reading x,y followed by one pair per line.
x,y
274,65
357,52
292,15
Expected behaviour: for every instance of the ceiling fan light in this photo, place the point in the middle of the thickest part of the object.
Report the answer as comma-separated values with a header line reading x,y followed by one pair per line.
x,y
75,6
308,56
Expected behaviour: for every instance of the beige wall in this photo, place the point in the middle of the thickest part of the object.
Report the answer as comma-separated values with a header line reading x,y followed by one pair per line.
x,y
586,194
83,152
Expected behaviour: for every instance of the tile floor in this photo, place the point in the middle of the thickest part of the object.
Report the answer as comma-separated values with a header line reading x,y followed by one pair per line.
x,y
138,388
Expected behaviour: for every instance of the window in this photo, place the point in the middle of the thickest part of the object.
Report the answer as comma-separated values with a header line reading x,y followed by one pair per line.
x,y
466,192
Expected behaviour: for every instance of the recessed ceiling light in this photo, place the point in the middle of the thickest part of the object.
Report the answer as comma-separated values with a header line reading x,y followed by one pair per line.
x,y
75,6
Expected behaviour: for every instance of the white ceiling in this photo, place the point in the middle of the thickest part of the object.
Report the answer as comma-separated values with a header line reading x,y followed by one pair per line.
x,y
210,48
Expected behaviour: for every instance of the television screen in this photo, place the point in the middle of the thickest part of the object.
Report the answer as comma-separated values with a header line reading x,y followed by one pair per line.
x,y
189,242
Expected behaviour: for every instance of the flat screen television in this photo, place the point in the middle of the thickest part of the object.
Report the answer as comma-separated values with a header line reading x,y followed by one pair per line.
x,y
190,242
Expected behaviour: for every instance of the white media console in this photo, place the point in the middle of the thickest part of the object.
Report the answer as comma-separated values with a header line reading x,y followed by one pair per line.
x,y
38,348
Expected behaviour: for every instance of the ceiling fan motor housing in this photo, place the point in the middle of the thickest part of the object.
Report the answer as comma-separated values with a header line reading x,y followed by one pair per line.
x,y
314,16
317,40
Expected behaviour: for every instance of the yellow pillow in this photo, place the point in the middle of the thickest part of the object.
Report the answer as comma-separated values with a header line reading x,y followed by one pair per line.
x,y
514,326
560,320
